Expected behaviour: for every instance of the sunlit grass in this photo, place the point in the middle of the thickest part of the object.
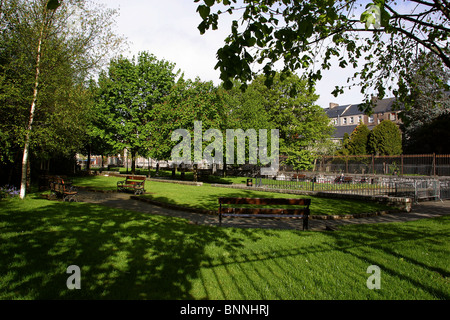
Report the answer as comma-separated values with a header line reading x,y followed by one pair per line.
x,y
206,196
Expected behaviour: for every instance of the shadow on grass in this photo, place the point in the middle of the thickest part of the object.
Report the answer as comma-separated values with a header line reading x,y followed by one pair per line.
x,y
398,249
122,254
134,255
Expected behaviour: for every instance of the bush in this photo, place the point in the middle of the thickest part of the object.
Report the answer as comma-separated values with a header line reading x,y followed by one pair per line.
x,y
8,192
385,139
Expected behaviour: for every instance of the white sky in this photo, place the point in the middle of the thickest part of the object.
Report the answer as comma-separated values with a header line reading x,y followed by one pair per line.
x,y
168,29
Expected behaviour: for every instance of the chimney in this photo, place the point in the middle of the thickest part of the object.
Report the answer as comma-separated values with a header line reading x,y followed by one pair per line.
x,y
333,105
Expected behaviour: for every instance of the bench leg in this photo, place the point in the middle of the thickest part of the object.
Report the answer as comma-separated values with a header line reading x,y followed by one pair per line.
x,y
305,223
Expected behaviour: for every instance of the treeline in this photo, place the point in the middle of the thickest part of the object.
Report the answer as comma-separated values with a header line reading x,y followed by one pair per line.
x,y
140,102
65,89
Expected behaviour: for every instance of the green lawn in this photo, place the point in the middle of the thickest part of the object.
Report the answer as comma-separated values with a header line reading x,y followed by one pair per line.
x,y
131,255
205,196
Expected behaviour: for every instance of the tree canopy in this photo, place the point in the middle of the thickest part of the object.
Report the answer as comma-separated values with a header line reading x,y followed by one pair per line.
x,y
385,139
287,105
379,39
426,100
127,94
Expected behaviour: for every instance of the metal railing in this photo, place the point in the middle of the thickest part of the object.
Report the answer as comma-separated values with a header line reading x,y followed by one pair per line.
x,y
411,187
420,164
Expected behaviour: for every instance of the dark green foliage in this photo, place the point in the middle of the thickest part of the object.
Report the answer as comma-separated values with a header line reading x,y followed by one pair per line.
x,y
433,137
385,139
424,103
359,140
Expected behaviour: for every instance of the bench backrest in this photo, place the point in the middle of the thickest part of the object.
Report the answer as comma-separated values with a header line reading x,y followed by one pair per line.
x,y
305,203
58,183
138,178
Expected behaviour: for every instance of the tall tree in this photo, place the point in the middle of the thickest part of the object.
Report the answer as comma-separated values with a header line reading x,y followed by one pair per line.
x,y
45,21
190,102
49,48
380,41
289,105
126,97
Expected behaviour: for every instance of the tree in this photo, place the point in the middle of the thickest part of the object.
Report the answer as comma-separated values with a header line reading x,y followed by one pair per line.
x,y
126,97
359,140
384,38
189,101
424,100
44,62
385,139
44,24
290,106
434,136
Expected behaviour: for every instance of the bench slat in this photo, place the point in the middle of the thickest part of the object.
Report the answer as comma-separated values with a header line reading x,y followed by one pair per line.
x,y
266,211
261,212
265,201
270,216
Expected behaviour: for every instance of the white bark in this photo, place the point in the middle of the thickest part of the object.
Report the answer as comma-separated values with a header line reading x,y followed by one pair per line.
x,y
23,183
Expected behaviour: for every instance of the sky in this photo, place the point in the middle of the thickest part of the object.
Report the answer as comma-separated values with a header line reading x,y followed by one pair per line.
x,y
168,29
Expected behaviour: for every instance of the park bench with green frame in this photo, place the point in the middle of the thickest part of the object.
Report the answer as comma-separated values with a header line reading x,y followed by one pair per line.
x,y
133,183
254,208
62,187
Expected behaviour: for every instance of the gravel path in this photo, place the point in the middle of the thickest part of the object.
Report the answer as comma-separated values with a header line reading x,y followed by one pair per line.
x,y
123,201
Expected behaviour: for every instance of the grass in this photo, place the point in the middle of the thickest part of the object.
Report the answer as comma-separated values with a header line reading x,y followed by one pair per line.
x,y
205,196
131,255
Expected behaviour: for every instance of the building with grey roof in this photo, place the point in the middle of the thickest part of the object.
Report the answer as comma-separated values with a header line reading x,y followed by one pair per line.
x,y
346,118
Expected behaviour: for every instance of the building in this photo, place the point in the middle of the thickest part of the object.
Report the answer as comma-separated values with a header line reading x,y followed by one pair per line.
x,y
346,118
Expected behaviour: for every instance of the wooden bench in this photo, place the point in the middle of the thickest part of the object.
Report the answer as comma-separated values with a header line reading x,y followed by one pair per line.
x,y
347,180
61,187
297,176
343,180
261,212
134,183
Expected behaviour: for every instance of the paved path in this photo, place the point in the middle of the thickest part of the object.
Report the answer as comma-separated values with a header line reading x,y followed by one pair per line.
x,y
122,200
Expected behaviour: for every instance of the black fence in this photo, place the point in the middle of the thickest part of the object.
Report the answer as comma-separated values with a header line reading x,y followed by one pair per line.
x,y
395,186
422,165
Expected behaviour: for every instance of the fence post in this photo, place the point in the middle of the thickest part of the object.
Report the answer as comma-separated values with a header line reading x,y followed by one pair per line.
x,y
434,164
373,164
401,166
346,164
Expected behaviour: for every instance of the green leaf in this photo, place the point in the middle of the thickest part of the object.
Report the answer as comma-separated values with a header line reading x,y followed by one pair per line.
x,y
209,3
53,4
203,11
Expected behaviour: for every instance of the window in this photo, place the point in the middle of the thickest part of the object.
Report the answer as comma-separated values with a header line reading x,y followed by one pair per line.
x,y
371,119
351,119
360,119
344,120
393,116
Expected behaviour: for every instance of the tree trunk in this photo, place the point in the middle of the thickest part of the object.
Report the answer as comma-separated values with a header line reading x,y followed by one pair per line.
x,y
174,169
195,172
26,149
88,163
133,162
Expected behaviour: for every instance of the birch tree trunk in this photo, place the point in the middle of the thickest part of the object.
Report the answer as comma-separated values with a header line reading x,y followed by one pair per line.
x,y
26,149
